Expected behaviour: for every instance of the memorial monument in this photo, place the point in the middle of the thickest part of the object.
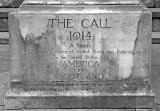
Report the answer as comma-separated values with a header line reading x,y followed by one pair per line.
x,y
80,55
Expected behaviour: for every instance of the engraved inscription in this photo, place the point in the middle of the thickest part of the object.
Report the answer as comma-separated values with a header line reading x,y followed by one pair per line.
x,y
84,47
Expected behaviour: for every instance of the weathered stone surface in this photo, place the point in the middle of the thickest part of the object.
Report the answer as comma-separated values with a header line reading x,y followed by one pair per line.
x,y
156,24
149,3
4,58
80,56
157,3
155,53
75,2
4,86
1,108
145,109
155,81
45,53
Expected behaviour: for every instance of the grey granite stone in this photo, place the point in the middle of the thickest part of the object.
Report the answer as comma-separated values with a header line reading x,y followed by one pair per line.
x,y
149,3
80,56
157,3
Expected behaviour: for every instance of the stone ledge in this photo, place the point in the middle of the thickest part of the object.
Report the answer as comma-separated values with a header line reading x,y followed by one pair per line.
x,y
78,102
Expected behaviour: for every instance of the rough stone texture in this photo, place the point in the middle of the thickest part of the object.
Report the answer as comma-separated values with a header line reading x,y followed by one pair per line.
x,y
145,109
88,2
4,58
4,86
6,2
155,53
1,108
46,54
155,81
156,24
149,3
89,57
157,3
157,107
55,102
4,75
16,3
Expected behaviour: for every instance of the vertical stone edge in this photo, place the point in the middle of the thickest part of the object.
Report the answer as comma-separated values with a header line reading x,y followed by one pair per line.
x,y
16,52
147,17
150,29
16,48
145,31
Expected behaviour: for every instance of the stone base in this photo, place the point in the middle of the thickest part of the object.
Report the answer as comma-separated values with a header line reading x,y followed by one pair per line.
x,y
43,96
38,100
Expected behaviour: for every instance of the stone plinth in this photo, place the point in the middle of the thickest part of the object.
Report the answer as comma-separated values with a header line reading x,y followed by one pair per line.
x,y
79,55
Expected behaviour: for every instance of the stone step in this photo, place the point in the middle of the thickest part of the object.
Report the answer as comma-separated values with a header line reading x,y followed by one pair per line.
x,y
35,101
